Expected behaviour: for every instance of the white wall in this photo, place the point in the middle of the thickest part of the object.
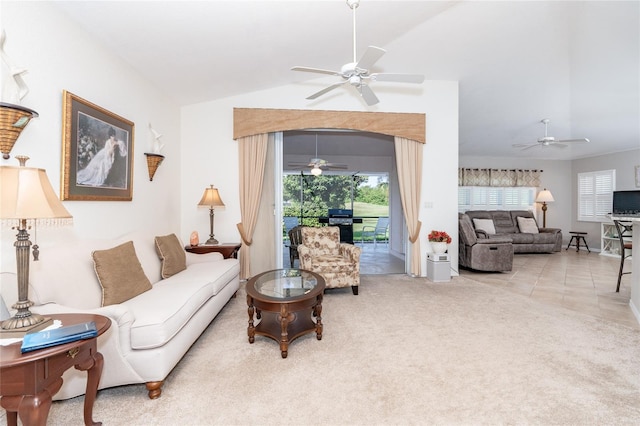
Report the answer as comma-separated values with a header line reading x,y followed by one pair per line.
x,y
59,56
210,153
623,163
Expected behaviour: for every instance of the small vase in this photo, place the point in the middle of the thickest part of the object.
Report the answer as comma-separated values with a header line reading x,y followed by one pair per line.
x,y
438,247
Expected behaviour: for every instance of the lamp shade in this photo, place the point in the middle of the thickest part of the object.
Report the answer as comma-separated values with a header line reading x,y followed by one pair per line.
x,y
26,193
544,196
211,198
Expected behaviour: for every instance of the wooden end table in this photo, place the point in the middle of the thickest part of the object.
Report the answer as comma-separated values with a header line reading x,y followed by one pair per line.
x,y
227,250
30,380
285,300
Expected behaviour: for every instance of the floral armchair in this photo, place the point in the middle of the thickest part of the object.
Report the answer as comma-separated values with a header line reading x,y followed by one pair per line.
x,y
322,252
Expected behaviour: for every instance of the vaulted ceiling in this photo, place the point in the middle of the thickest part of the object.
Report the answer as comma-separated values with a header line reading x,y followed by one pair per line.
x,y
576,63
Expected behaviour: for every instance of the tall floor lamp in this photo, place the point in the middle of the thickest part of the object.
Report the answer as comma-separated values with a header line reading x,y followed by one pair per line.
x,y
211,198
26,193
544,197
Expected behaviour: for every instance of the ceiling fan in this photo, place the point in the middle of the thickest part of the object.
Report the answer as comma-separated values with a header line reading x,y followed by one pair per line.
x,y
548,140
318,164
357,73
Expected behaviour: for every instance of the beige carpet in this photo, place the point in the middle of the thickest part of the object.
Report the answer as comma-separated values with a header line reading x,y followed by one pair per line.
x,y
404,351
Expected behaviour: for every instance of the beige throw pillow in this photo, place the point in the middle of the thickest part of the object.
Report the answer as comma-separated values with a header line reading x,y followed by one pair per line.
x,y
527,225
485,225
172,254
120,274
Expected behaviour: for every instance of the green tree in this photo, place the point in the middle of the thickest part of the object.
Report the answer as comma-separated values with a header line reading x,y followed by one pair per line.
x,y
319,193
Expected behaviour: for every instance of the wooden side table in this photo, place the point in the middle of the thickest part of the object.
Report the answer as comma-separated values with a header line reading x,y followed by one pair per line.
x,y
228,250
30,380
578,237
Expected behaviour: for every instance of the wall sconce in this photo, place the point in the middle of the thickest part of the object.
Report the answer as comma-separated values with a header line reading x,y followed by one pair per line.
x,y
153,161
26,193
211,198
13,119
544,197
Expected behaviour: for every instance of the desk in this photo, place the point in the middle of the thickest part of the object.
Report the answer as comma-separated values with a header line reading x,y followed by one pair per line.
x,y
635,271
30,380
227,250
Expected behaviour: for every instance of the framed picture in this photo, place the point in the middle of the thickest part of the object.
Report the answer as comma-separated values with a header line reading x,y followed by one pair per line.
x,y
637,176
97,152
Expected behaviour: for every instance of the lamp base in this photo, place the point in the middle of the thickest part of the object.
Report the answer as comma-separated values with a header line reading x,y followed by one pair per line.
x,y
211,242
15,327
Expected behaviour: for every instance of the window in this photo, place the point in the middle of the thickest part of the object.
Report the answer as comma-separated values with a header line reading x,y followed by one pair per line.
x,y
595,195
495,198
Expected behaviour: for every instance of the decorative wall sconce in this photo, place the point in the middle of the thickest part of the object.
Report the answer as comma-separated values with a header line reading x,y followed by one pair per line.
x,y
13,119
153,161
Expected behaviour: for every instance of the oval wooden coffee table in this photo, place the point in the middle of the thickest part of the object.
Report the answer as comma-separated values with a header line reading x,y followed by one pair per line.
x,y
285,301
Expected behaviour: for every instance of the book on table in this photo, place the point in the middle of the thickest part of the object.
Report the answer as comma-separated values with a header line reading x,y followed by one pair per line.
x,y
58,336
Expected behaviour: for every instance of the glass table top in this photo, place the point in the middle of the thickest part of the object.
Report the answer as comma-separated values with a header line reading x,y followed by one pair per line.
x,y
285,283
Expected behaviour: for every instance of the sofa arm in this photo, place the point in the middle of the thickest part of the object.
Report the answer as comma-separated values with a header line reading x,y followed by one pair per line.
x,y
480,234
550,230
119,315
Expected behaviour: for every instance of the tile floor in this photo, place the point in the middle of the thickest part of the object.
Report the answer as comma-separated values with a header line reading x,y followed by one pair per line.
x,y
579,281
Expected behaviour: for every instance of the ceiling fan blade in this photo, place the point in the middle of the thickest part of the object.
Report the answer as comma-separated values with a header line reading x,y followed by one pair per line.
x,y
525,146
367,94
398,78
370,57
574,140
315,70
558,145
326,89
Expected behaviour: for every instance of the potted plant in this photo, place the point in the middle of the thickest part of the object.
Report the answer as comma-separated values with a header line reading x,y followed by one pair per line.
x,y
439,241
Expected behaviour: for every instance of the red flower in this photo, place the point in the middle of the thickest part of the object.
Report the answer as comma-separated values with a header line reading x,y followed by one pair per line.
x,y
440,237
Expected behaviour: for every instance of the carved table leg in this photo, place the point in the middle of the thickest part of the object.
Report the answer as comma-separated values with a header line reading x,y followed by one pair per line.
x,y
251,331
93,366
317,310
284,318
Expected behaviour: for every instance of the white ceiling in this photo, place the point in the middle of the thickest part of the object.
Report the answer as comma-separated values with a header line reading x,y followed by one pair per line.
x,y
577,63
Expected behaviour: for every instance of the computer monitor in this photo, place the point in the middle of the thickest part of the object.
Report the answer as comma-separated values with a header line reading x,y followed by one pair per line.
x,y
626,202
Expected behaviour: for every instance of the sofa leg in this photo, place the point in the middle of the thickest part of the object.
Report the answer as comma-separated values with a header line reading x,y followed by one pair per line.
x,y
154,388
354,289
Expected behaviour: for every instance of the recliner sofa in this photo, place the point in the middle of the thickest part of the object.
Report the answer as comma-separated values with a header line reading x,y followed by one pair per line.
x,y
506,224
482,254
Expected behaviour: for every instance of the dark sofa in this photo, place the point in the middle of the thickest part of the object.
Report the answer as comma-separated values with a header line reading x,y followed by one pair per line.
x,y
547,240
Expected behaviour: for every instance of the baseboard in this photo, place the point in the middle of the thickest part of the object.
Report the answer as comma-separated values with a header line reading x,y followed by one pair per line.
x,y
634,309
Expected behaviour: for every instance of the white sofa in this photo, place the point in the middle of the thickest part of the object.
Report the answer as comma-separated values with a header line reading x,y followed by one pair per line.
x,y
149,333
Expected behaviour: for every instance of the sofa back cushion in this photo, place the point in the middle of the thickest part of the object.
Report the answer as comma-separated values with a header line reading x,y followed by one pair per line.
x,y
502,220
120,274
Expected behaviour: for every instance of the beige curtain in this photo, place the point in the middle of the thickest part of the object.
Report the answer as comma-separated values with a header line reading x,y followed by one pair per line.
x,y
498,177
409,165
252,153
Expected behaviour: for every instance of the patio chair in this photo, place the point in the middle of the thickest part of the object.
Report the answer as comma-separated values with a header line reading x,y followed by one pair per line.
x,y
380,230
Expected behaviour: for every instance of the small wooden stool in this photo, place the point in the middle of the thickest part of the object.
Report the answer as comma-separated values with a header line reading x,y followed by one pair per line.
x,y
577,237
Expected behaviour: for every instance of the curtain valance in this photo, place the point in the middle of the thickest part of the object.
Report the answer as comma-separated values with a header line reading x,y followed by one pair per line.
x,y
498,177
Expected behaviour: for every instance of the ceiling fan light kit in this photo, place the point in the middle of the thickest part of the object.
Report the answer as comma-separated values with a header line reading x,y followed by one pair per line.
x,y
547,140
357,73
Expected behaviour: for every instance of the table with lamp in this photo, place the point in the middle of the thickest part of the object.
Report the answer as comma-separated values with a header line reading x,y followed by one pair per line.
x,y
211,198
29,380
